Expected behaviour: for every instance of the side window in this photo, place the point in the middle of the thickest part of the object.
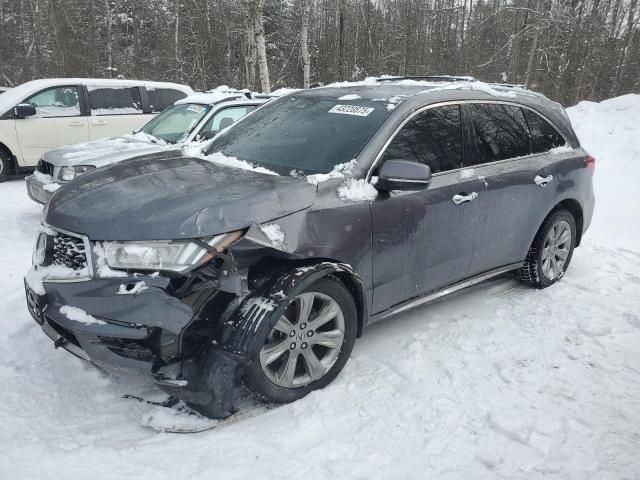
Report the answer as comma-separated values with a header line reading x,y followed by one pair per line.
x,y
433,137
56,102
224,118
161,98
543,136
114,100
501,132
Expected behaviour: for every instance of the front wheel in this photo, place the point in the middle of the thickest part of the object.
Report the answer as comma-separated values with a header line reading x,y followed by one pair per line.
x,y
6,165
309,344
551,251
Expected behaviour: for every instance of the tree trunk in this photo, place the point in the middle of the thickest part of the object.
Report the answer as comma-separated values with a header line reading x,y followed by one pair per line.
x,y
256,9
109,45
304,43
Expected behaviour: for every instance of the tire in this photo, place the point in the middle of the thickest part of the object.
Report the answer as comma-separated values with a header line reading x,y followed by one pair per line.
x,y
6,166
266,374
543,266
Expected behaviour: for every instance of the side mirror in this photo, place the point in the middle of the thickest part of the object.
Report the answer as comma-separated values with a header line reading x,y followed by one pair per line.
x,y
24,110
403,175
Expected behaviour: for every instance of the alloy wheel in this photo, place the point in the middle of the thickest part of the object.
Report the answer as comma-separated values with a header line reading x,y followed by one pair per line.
x,y
305,342
556,249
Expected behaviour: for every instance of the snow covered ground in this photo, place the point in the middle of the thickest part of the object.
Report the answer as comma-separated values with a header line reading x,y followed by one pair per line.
x,y
496,382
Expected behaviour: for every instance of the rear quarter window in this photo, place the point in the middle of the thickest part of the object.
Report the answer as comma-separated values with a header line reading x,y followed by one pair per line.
x,y
114,100
161,98
544,136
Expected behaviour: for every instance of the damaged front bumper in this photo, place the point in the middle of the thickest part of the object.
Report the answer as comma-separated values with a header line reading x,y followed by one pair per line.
x,y
139,333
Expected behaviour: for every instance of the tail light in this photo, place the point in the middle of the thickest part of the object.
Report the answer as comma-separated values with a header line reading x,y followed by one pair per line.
x,y
591,164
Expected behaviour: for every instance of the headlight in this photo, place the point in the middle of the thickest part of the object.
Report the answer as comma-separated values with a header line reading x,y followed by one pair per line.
x,y
39,250
69,173
165,255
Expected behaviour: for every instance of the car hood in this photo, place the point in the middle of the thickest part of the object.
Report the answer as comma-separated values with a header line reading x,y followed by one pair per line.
x,y
105,151
170,196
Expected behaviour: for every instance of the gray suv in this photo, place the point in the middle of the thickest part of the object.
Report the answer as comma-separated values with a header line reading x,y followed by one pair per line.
x,y
318,214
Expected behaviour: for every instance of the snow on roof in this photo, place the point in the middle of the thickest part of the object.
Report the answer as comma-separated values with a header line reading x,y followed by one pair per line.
x,y
440,82
18,94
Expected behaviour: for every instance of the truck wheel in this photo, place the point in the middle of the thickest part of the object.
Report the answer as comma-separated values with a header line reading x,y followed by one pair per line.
x,y
309,344
6,166
551,251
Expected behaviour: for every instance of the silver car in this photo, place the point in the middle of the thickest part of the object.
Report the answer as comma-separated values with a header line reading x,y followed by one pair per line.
x,y
193,119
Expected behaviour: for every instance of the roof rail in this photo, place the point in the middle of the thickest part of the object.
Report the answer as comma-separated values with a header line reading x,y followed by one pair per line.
x,y
510,85
439,78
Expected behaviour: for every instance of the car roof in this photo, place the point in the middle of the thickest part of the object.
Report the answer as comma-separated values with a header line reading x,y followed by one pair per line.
x,y
214,97
408,94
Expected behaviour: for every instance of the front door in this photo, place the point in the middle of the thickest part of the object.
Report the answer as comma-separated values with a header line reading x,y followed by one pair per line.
x,y
424,240
58,121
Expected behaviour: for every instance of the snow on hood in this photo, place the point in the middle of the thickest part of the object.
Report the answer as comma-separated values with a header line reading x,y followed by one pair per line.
x,y
107,150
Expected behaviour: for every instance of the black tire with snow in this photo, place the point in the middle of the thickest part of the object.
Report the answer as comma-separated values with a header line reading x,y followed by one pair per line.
x,y
532,272
258,381
6,165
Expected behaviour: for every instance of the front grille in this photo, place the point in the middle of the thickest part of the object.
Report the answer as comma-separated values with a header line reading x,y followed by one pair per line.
x,y
45,167
129,348
69,251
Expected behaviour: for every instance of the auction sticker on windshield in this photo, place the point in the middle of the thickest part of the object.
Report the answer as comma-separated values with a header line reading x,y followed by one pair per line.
x,y
352,110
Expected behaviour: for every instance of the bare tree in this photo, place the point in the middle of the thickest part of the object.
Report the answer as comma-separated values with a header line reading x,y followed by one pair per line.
x,y
304,43
256,8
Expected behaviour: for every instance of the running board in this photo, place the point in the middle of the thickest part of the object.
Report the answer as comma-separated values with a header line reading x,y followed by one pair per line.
x,y
430,297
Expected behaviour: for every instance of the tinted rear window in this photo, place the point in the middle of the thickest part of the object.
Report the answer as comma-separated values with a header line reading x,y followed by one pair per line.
x,y
501,132
543,136
161,98
307,134
114,101
433,137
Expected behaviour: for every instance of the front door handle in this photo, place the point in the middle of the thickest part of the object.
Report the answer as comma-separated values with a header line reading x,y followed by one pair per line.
x,y
458,199
100,122
76,124
542,181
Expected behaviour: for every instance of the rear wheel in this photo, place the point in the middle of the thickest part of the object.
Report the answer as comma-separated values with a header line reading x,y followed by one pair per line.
x,y
6,165
309,344
551,251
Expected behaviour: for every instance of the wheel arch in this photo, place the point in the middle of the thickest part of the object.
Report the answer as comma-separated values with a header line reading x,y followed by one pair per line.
x,y
574,207
4,148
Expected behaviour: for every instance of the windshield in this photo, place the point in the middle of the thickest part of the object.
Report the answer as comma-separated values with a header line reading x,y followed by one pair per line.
x,y
176,122
306,134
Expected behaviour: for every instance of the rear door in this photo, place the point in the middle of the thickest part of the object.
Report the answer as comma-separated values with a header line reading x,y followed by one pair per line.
x,y
423,240
519,185
114,110
58,121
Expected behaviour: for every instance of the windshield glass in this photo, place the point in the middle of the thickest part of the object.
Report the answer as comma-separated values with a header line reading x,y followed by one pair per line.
x,y
176,122
306,134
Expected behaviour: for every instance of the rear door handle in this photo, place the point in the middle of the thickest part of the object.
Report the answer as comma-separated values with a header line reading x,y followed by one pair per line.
x,y
458,199
100,122
542,181
76,124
